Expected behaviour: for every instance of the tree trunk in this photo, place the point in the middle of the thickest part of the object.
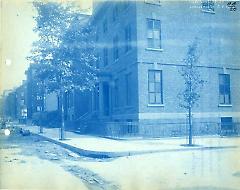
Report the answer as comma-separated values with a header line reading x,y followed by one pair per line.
x,y
190,125
62,129
41,129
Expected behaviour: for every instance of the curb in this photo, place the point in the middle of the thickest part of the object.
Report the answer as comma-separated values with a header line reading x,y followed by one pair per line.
x,y
106,155
79,151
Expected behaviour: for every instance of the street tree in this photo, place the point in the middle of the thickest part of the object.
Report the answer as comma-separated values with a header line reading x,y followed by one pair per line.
x,y
190,94
64,51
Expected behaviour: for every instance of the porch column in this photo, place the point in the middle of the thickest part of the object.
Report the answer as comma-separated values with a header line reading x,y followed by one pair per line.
x,y
101,106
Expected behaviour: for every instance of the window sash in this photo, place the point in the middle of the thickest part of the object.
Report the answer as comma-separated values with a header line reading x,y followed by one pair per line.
x,y
154,33
96,97
105,28
127,38
105,55
158,98
115,50
116,93
224,89
115,13
155,87
128,89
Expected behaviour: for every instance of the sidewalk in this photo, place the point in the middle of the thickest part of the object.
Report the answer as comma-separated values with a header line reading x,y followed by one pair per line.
x,y
99,147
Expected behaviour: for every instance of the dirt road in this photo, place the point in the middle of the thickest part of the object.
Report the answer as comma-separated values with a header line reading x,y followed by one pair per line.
x,y
29,162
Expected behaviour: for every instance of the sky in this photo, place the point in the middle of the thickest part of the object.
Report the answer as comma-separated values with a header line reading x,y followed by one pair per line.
x,y
16,37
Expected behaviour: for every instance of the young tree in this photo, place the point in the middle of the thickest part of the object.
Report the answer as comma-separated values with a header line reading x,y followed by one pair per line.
x,y
193,83
64,52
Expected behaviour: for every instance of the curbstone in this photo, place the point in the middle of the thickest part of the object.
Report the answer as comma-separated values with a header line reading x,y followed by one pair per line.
x,y
107,155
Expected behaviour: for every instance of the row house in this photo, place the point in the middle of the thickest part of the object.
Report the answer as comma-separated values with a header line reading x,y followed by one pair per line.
x,y
21,103
44,108
35,92
9,104
14,103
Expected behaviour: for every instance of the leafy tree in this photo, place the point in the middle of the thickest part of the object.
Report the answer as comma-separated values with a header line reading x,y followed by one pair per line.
x,y
193,83
64,52
76,56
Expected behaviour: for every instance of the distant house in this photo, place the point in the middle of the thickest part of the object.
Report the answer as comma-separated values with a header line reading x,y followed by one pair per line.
x,y
21,103
77,105
14,103
142,44
51,102
9,104
35,92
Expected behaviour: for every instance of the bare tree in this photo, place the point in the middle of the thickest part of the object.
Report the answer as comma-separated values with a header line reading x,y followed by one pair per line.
x,y
193,83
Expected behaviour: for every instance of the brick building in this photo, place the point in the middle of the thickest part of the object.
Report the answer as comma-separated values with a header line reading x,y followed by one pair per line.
x,y
9,107
14,103
35,92
142,44
44,107
21,103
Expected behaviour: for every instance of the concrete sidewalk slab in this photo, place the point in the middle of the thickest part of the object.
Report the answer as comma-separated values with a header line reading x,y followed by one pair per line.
x,y
98,147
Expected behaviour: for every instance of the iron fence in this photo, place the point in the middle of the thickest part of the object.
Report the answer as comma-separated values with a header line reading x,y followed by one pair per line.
x,y
153,129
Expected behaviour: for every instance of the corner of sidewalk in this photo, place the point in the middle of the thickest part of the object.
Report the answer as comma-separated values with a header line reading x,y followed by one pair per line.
x,y
118,153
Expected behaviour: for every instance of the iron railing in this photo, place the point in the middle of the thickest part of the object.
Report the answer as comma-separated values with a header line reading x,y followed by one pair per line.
x,y
153,129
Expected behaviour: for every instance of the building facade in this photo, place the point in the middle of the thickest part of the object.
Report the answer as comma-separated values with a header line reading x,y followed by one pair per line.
x,y
44,108
21,103
14,103
141,48
35,92
9,104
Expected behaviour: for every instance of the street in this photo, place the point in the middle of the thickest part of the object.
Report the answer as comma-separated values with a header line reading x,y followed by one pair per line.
x,y
119,95
29,162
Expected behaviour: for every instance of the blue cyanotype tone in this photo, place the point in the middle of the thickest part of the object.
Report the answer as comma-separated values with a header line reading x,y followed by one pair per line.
x,y
134,78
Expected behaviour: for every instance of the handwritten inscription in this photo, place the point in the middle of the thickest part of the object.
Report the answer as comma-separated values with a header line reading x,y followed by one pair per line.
x,y
232,5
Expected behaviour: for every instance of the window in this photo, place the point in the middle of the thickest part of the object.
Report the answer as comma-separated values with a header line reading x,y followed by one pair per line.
x,y
105,28
154,33
97,36
155,87
226,123
96,97
39,97
105,56
115,48
116,93
126,4
224,89
128,89
21,102
97,61
154,2
39,108
127,38
115,12
208,6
